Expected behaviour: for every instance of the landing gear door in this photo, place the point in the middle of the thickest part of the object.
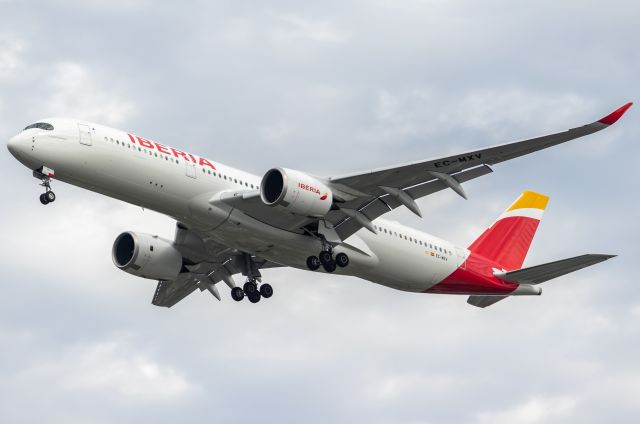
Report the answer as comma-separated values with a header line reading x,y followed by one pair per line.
x,y
191,170
85,134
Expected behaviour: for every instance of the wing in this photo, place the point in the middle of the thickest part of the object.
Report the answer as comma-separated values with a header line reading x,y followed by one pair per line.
x,y
367,195
209,264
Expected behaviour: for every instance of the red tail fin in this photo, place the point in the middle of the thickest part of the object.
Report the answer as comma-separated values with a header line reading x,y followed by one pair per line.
x,y
507,241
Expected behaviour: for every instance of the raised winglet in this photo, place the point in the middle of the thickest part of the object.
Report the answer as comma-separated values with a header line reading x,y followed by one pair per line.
x,y
611,118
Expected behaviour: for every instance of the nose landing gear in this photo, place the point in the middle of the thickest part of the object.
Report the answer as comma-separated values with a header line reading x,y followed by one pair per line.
x,y
48,196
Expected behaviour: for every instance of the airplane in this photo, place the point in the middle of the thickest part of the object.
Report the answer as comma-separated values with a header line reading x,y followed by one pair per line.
x,y
231,222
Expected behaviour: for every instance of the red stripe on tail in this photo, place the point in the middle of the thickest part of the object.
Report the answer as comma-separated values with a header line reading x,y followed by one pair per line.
x,y
507,241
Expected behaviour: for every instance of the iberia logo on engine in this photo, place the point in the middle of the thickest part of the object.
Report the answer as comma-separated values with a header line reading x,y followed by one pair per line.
x,y
308,188
312,189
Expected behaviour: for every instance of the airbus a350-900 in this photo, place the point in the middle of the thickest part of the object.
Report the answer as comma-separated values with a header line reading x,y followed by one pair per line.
x,y
232,222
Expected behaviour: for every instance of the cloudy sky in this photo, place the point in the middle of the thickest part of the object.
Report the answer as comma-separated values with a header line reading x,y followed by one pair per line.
x,y
328,87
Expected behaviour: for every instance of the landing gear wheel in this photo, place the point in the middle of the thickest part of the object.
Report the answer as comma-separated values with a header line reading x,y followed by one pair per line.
x,y
342,260
266,291
250,288
254,298
330,266
50,196
325,257
237,294
43,199
313,263
327,261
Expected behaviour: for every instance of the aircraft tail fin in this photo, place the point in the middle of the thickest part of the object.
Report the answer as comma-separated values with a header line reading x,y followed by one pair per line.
x,y
508,239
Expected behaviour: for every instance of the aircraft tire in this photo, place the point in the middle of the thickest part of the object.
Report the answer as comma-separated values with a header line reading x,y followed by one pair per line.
x,y
330,266
342,260
313,263
250,288
325,257
237,294
266,291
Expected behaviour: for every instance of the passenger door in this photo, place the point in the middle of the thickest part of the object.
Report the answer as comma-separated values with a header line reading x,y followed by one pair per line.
x,y
191,170
85,134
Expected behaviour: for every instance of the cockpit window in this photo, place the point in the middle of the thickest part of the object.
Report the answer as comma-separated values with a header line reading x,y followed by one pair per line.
x,y
41,125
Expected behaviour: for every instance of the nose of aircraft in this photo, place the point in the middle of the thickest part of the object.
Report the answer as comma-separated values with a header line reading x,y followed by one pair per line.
x,y
14,145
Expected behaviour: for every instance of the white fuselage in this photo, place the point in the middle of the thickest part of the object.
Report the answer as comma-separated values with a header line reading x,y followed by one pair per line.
x,y
182,185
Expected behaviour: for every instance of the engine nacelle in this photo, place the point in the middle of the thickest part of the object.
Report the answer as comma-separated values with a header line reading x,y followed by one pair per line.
x,y
296,191
146,256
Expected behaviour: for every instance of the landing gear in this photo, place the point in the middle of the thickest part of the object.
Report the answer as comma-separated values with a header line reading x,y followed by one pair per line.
x,y
252,292
250,289
48,196
325,258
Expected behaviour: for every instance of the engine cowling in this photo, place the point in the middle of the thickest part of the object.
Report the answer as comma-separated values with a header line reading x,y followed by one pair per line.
x,y
296,191
146,256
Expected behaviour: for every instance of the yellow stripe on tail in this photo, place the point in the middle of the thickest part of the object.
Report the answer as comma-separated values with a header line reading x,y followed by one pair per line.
x,y
530,200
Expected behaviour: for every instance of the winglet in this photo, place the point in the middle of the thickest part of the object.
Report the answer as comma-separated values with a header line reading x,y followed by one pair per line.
x,y
611,118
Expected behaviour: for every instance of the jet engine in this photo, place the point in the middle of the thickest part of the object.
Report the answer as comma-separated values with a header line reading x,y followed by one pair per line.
x,y
146,256
298,192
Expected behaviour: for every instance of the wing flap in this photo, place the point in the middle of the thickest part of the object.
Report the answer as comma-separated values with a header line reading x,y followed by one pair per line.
x,y
384,204
545,272
168,293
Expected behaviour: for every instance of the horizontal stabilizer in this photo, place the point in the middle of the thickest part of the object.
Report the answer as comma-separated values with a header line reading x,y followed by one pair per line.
x,y
545,272
484,301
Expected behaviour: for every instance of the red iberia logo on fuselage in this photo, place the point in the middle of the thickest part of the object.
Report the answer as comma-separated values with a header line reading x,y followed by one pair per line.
x,y
169,151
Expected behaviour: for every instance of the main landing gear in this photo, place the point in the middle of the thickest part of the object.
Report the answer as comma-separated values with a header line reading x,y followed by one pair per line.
x,y
327,261
250,289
